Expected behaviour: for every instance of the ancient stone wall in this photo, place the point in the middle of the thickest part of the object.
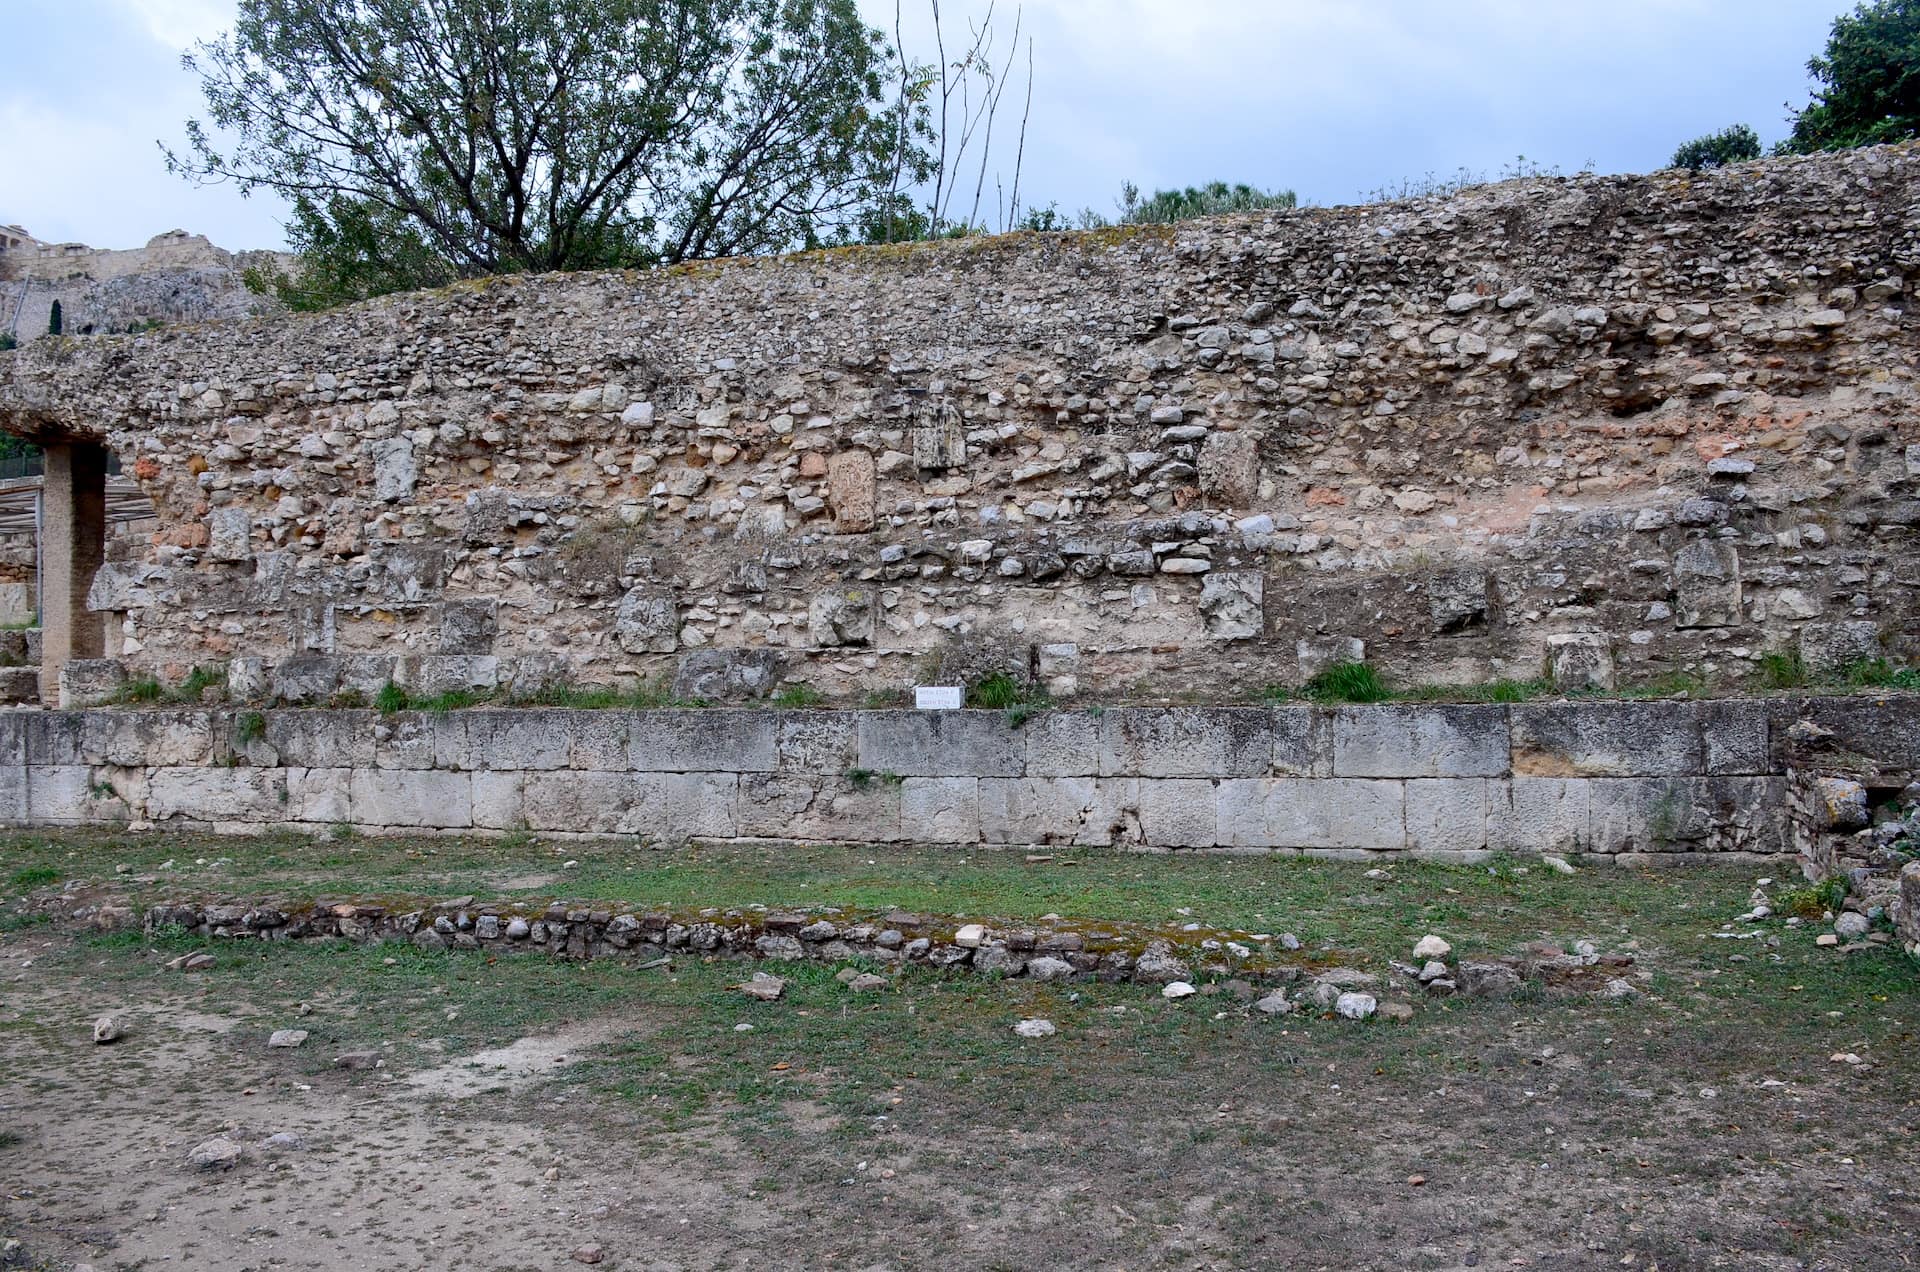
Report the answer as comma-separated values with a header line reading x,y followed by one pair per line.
x,y
1625,780
1604,427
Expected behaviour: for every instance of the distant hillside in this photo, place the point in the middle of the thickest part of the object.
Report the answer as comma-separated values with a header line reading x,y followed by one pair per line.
x,y
176,277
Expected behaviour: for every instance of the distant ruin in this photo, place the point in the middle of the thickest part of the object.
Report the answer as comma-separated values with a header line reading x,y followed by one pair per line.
x,y
176,277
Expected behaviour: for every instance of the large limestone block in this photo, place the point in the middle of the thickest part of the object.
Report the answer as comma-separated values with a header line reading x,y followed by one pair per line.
x,y
850,491
1420,741
1580,660
675,807
219,795
52,737
1736,734
1187,742
940,810
813,806
70,795
1662,815
138,738
305,678
939,435
1321,813
825,743
1540,815
422,740
1885,729
941,744
14,806
1063,744
1606,739
1082,811
1449,817
320,795
499,800
600,741
702,741
1179,813
521,739
1706,584
316,739
412,797
1302,742
1457,599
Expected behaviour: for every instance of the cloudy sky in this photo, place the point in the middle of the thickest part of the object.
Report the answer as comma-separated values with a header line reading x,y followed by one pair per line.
x,y
1332,98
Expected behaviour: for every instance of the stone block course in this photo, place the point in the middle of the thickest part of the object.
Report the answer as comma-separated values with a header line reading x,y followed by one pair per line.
x,y
1419,741
1635,780
1606,739
941,743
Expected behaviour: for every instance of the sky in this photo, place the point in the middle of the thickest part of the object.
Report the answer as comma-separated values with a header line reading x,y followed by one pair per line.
x,y
1329,98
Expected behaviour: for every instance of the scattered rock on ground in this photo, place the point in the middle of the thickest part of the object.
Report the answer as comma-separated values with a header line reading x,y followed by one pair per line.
x,y
867,983
1851,926
357,1060
1177,989
283,1142
1048,968
1355,1006
764,987
1035,1029
970,937
218,1153
1431,947
1488,980
589,1253
287,1038
198,961
1396,1011
1274,1004
108,1029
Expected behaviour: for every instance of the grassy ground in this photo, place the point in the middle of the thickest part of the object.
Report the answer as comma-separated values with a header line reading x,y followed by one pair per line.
x,y
1701,1124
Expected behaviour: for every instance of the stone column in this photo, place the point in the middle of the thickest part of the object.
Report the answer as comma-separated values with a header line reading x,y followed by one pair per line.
x,y
73,537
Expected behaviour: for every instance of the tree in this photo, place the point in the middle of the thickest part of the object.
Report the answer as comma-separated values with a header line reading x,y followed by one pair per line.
x,y
420,141
1734,144
1867,81
54,319
1208,200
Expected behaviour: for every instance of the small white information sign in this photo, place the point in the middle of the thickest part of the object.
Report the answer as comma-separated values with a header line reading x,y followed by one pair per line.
x,y
939,698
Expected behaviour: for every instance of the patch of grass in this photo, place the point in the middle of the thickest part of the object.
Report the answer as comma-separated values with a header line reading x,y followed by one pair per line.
x,y
390,699
1878,673
885,699
1000,692
1781,670
1672,684
795,697
142,692
29,877
1813,900
1348,682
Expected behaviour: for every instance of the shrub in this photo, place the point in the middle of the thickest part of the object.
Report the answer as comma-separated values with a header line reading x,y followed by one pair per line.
x,y
1212,199
1735,144
1813,900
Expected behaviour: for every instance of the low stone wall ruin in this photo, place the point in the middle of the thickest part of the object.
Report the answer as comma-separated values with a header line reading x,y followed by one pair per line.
x,y
1627,780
